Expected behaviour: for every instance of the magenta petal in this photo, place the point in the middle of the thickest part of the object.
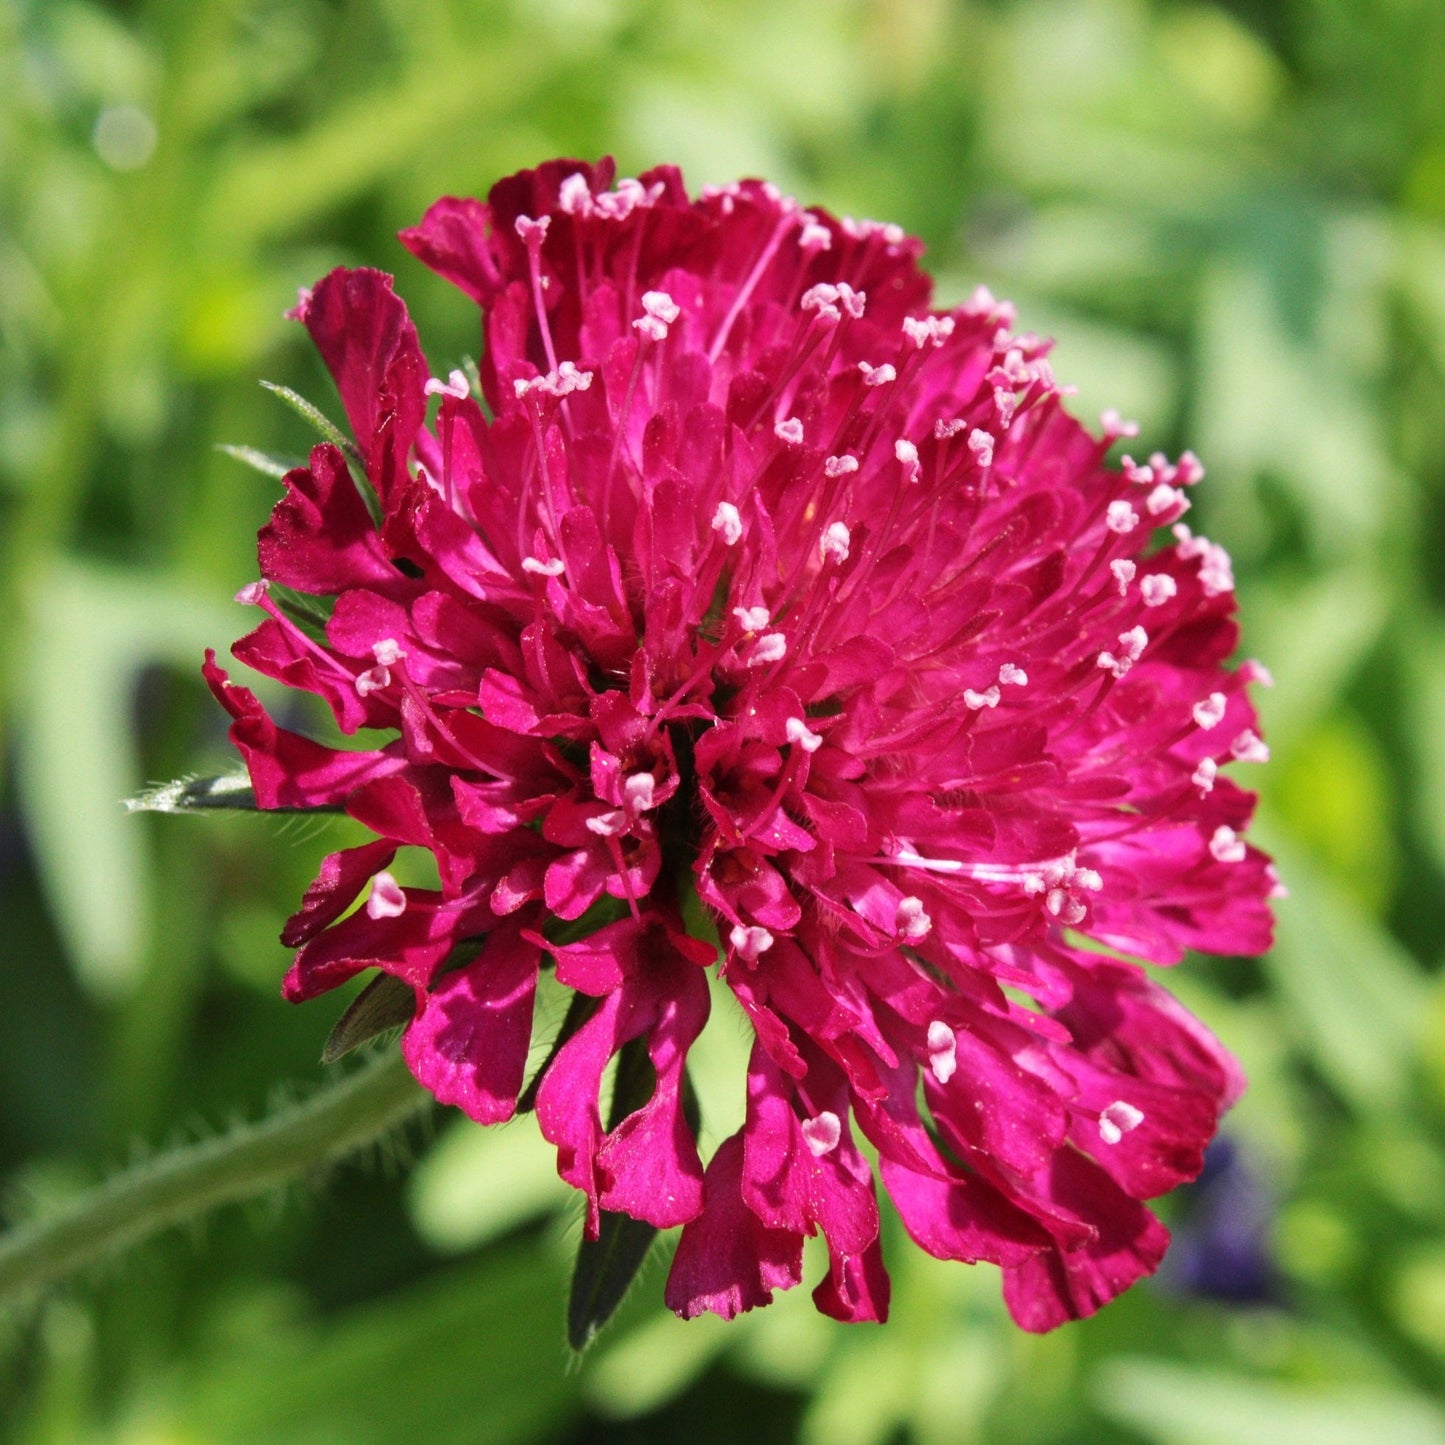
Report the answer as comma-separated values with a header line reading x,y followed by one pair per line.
x,y
343,875
321,538
856,1288
962,1218
727,1260
468,1044
364,335
650,1159
1057,1284
451,239
410,945
785,1182
648,1165
287,770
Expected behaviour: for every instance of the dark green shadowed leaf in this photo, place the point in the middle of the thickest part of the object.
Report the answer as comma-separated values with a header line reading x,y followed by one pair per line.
x,y
578,1012
605,1269
385,1003
607,1265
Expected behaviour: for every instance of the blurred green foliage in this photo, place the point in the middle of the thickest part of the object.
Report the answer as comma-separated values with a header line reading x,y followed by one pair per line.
x,y
1231,215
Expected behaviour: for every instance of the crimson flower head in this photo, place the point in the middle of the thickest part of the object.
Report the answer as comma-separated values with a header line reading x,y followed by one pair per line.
x,y
743,614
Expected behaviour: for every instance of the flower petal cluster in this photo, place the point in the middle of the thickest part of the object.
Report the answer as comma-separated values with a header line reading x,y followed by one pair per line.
x,y
738,574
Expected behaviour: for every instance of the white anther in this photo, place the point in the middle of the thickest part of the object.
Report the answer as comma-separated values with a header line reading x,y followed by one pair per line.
x,y
911,921
661,311
814,238
981,303
252,593
1204,775
751,619
1120,517
638,792
1216,573
750,941
727,522
1123,571
1064,906
878,375
840,466
980,443
1226,845
907,453
975,701
532,232
388,652
456,385
942,1051
1014,369
1188,470
1157,589
562,382
1210,713
620,202
1011,675
372,680
386,899
801,735
608,825
944,429
1253,670
575,196
928,330
821,1134
553,567
1249,747
1133,472
889,233
1115,426
835,543
1165,498
830,302
661,305
1131,644
1188,544
1117,1120
789,431
770,647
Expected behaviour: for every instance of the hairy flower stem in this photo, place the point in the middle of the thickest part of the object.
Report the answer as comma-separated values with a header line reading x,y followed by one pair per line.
x,y
187,1182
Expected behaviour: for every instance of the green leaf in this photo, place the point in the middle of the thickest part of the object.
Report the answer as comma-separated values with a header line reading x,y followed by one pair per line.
x,y
228,793
262,462
231,792
385,1003
607,1265
1356,997
466,1356
88,632
1195,1406
318,418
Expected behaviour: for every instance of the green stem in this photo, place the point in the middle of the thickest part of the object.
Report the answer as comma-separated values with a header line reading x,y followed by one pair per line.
x,y
187,1182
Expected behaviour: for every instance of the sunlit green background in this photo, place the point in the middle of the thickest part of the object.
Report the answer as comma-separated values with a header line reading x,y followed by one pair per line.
x,y
1231,216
